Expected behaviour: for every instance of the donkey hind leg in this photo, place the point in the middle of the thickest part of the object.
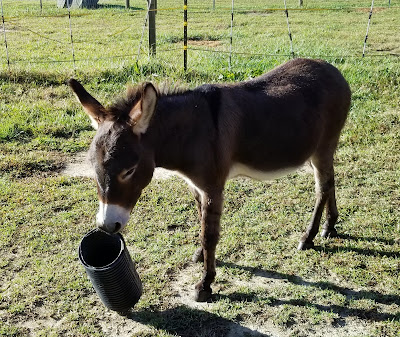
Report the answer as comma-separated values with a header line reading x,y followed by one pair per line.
x,y
198,254
210,227
325,196
328,229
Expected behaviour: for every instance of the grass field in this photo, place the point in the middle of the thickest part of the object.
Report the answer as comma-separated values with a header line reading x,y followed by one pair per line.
x,y
348,286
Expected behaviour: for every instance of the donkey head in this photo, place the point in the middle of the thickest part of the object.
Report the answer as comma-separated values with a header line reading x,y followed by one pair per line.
x,y
122,162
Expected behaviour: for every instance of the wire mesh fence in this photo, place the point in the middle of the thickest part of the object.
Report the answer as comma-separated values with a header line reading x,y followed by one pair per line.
x,y
38,34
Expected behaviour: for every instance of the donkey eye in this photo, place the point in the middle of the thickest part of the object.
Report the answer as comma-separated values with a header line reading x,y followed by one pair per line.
x,y
126,174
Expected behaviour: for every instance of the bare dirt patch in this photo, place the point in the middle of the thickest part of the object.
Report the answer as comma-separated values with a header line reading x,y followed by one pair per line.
x,y
78,166
183,287
368,9
204,43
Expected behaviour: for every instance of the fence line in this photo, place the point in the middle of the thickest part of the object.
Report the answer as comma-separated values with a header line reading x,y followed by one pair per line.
x,y
298,55
209,51
231,52
221,9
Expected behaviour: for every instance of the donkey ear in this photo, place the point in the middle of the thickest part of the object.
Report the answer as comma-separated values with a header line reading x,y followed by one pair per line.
x,y
91,106
143,110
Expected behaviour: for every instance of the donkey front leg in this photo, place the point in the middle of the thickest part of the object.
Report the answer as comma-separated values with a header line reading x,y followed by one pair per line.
x,y
211,209
198,254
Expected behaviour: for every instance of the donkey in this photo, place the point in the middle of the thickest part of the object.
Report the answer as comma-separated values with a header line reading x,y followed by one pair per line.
x,y
261,128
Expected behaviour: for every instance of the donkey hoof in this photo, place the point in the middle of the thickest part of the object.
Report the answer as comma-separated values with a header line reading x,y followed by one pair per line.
x,y
329,233
202,295
305,245
198,255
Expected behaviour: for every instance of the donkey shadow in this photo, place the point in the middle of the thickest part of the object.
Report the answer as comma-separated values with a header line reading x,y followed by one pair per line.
x,y
184,321
342,311
349,237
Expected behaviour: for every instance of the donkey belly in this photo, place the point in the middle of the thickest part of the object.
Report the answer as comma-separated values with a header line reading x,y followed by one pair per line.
x,y
239,169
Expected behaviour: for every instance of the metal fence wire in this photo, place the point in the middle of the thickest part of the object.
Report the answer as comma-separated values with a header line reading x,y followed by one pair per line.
x,y
38,34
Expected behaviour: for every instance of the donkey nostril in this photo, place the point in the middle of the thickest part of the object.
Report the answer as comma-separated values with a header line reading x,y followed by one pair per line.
x,y
117,226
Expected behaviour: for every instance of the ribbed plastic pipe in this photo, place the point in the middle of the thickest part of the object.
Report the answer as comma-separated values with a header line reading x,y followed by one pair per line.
x,y
110,269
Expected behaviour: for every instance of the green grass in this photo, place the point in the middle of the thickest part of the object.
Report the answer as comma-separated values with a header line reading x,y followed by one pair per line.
x,y
348,286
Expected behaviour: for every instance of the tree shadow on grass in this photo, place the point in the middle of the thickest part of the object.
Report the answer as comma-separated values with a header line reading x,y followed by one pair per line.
x,y
342,311
184,321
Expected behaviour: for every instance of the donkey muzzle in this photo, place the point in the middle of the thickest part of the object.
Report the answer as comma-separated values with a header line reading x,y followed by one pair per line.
x,y
112,218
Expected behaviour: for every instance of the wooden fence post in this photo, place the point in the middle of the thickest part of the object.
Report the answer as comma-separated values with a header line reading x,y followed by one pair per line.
x,y
152,27
127,3
301,2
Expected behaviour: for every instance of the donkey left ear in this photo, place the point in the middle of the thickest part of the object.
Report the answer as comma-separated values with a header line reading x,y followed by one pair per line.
x,y
143,110
92,107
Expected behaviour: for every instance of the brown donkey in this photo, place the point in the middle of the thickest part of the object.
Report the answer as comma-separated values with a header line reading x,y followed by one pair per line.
x,y
262,128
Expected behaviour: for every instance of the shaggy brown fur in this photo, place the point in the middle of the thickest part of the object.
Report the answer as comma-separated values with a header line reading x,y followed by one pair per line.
x,y
259,128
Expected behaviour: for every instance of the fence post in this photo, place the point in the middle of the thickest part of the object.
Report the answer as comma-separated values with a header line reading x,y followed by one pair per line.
x,y
70,34
185,24
213,4
369,22
231,42
127,3
152,27
5,37
288,26
301,2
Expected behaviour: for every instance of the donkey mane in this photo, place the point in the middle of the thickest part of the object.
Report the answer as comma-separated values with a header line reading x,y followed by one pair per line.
x,y
119,110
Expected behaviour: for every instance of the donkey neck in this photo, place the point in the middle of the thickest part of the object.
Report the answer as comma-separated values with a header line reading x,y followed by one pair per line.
x,y
179,128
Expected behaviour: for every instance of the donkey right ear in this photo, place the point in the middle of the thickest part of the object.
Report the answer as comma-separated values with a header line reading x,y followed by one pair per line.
x,y
142,112
92,107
